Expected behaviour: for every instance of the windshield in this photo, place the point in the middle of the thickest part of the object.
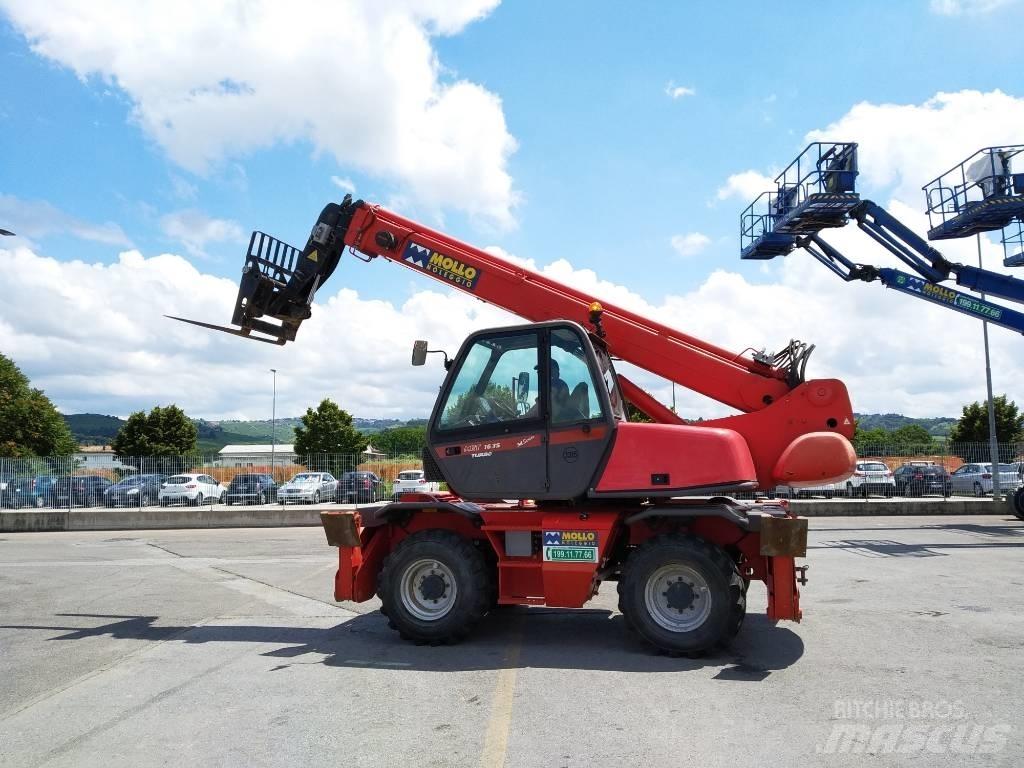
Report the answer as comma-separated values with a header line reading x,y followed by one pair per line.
x,y
875,466
305,478
179,480
409,475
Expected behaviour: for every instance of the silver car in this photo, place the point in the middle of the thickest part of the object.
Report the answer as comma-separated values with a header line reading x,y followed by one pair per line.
x,y
308,488
976,479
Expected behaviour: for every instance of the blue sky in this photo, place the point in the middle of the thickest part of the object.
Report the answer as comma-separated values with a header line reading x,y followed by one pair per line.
x,y
609,164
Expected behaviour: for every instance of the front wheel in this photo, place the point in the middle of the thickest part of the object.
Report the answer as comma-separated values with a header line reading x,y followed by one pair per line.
x,y
434,587
39,502
1018,503
316,497
682,594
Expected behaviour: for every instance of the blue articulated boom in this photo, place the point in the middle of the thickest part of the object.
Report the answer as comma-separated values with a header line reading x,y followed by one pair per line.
x,y
821,194
913,285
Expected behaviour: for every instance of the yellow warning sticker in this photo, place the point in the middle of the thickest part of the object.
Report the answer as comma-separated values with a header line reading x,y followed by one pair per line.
x,y
312,255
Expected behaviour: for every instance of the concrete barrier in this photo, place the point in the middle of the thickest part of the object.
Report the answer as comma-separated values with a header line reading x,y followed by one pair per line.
x,y
102,519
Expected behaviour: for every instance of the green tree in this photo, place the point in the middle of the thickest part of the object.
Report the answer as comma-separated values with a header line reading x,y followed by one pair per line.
x,y
972,427
912,434
165,434
29,423
408,441
325,436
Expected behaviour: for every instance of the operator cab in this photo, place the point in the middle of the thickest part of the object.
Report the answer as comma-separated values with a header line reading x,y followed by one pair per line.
x,y
526,412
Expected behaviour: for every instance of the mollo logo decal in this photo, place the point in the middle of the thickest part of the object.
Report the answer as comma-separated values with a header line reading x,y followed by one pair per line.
x,y
442,266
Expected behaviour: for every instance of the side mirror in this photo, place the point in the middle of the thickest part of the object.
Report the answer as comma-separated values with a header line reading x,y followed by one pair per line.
x,y
523,387
419,352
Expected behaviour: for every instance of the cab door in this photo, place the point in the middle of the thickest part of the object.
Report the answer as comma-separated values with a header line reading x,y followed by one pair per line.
x,y
488,432
581,418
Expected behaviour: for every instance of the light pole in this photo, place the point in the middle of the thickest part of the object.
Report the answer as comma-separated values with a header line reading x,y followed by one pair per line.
x,y
273,423
993,445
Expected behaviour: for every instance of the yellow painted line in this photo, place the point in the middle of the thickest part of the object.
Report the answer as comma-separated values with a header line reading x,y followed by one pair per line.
x,y
496,737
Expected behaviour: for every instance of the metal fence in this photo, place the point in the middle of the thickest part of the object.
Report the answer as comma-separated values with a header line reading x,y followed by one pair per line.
x,y
101,479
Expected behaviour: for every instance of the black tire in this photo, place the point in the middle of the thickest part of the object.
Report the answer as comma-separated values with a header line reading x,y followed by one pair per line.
x,y
92,500
164,502
466,570
223,497
316,498
726,596
199,500
39,502
1018,503
850,491
978,490
261,499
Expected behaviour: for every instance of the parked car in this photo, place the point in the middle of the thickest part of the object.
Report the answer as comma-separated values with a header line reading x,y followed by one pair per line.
x,y
412,480
80,489
191,488
917,478
134,490
977,479
870,477
360,487
309,487
254,488
28,491
828,490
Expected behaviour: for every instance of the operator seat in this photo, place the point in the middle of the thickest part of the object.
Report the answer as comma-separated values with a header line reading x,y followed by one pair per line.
x,y
579,400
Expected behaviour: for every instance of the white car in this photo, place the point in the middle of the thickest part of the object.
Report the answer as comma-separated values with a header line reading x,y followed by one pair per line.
x,y
977,479
191,488
309,487
413,481
871,477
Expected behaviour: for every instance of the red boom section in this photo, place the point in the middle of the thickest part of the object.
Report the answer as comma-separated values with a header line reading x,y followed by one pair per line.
x,y
739,382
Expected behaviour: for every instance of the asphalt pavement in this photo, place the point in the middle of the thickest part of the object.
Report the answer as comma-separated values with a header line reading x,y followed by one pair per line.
x,y
225,648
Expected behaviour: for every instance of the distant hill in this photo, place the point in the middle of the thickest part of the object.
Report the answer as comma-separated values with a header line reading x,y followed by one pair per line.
x,y
93,428
96,429
937,427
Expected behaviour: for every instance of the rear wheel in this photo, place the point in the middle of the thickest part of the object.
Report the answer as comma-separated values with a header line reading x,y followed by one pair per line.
x,y
92,500
199,500
682,594
39,501
434,587
261,499
978,490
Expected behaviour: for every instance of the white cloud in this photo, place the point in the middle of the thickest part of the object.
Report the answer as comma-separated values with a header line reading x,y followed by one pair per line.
x,y
674,91
690,244
967,7
745,185
360,81
103,344
194,230
344,184
38,219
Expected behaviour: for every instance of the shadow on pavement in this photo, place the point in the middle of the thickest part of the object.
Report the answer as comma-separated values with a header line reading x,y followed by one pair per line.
x,y
548,638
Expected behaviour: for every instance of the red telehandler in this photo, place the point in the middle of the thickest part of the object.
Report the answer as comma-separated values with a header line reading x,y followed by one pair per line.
x,y
551,489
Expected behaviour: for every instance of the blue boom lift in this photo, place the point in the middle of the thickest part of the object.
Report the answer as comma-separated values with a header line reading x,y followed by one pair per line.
x,y
818,191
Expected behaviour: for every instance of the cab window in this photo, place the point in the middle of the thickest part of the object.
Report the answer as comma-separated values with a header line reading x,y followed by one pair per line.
x,y
574,395
496,383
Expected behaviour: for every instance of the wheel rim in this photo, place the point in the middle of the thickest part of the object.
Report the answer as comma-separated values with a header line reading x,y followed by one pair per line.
x,y
428,590
977,490
678,598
